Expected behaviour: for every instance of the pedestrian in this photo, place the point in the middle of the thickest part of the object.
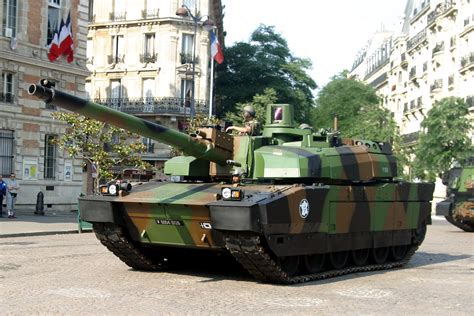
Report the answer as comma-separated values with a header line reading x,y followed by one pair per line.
x,y
251,126
12,193
3,192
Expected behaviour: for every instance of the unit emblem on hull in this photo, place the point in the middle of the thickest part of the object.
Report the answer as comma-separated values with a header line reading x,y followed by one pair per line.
x,y
304,208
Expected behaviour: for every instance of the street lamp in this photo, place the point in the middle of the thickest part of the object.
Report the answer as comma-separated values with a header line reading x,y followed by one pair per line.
x,y
184,11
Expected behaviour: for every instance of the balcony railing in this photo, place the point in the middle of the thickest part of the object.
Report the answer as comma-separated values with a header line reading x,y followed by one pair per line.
x,y
150,14
118,16
417,39
116,59
148,58
437,84
6,97
467,60
452,42
438,48
451,80
187,58
412,73
410,138
470,101
440,10
154,105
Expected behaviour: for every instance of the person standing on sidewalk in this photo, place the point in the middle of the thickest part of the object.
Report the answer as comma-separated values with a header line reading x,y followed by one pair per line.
x,y
12,192
3,192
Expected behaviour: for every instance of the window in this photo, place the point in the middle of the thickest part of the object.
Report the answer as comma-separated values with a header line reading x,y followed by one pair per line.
x,y
150,146
53,18
187,48
186,87
191,4
149,49
6,152
115,92
6,87
117,50
9,18
119,10
148,87
49,157
91,11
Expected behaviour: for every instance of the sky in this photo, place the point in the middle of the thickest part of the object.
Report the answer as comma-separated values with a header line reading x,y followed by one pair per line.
x,y
329,33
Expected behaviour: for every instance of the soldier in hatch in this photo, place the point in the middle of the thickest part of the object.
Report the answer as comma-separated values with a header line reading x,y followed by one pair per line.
x,y
251,126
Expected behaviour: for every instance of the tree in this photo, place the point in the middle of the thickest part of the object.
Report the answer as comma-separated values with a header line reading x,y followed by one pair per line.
x,y
259,102
346,99
443,138
264,62
100,144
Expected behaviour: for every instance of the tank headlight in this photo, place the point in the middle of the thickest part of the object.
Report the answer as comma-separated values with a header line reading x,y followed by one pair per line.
x,y
232,194
113,189
226,193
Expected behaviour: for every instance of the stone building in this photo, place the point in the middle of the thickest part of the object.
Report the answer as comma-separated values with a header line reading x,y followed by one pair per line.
x,y
431,57
26,126
140,54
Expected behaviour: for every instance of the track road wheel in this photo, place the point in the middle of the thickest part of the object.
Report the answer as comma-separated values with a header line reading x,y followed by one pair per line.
x,y
397,253
360,256
314,263
380,255
289,264
420,234
338,260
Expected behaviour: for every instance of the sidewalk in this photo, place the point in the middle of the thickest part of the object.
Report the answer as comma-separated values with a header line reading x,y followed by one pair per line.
x,y
31,225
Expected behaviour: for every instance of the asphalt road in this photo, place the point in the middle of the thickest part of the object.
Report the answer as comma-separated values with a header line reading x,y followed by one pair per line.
x,y
74,274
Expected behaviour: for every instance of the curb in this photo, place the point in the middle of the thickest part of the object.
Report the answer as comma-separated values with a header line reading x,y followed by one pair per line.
x,y
60,232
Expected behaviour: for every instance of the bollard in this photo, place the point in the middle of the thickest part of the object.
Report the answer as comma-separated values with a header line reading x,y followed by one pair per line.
x,y
39,204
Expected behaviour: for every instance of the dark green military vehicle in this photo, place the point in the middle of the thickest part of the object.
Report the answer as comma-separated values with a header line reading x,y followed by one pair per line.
x,y
291,205
458,208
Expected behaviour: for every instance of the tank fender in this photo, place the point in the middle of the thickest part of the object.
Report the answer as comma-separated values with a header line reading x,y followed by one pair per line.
x,y
228,216
443,207
94,211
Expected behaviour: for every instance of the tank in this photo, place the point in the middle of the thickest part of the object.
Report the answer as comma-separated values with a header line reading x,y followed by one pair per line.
x,y
458,207
290,205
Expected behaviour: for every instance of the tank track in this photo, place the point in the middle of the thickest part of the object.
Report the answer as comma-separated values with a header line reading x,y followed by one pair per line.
x,y
464,226
113,237
254,257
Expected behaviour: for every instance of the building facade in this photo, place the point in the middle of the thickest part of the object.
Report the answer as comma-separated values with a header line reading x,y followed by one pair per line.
x,y
26,126
431,57
143,61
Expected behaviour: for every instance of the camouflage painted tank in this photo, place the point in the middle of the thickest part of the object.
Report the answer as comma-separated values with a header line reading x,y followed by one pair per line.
x,y
291,205
458,208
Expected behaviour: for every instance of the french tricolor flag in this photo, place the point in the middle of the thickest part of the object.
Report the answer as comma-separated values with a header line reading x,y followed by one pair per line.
x,y
216,50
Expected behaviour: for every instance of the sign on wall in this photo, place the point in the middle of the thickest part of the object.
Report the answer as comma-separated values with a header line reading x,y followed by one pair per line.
x,y
67,171
30,169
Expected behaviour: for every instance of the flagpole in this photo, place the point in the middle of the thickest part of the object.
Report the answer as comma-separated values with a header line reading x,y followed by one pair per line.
x,y
211,88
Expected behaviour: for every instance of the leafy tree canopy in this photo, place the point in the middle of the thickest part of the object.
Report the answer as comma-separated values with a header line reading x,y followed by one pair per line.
x,y
349,100
100,144
443,139
259,102
264,62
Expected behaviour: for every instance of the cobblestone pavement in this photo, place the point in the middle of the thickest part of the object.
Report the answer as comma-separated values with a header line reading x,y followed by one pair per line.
x,y
74,274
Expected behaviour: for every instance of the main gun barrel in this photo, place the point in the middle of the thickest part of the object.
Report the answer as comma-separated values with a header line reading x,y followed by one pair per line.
x,y
184,142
